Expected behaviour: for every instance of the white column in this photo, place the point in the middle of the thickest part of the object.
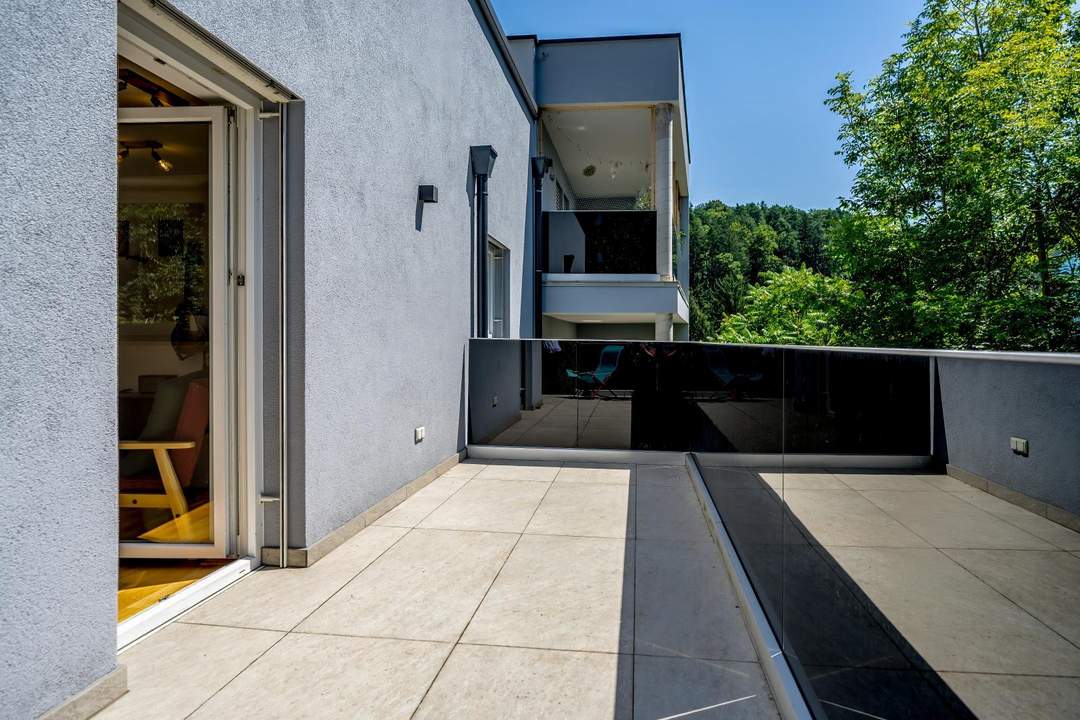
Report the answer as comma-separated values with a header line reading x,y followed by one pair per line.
x,y
665,327
663,188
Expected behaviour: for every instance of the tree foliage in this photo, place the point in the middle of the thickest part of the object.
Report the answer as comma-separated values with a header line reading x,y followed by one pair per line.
x,y
962,228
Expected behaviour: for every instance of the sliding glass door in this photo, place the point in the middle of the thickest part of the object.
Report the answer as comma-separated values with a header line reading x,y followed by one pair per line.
x,y
173,330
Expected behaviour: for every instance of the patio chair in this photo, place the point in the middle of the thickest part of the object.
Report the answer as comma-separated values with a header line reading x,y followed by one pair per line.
x,y
735,383
176,459
596,380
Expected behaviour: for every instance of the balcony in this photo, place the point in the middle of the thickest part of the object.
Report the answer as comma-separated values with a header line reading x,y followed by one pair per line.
x,y
600,242
890,587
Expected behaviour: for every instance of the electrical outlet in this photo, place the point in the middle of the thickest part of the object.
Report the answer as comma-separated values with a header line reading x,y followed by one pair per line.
x,y
494,401
418,434
1019,446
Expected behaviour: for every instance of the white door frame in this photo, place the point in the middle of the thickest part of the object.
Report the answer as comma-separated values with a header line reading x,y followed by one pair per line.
x,y
222,365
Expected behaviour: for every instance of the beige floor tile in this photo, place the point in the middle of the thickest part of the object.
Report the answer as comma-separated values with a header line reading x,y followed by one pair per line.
x,y
424,588
331,677
488,505
685,605
497,683
278,599
563,593
418,506
945,482
700,689
802,481
540,471
585,509
1042,528
670,512
179,667
465,468
594,473
946,521
1046,584
662,474
884,481
1009,697
846,518
953,619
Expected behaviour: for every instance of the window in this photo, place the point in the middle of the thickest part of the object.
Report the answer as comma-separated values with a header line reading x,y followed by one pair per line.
x,y
498,290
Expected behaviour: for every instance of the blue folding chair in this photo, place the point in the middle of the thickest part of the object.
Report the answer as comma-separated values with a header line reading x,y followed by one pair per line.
x,y
596,380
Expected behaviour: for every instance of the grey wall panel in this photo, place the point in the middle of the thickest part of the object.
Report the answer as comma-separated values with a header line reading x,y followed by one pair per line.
x,y
494,388
613,71
616,331
984,403
58,458
394,95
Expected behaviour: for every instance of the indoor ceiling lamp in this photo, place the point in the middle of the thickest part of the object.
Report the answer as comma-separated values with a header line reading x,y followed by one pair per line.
x,y
124,148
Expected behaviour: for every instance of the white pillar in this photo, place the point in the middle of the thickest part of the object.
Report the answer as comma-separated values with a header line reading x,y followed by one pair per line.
x,y
663,188
664,327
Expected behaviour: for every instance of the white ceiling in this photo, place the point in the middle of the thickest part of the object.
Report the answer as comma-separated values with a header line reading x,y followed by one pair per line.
x,y
614,141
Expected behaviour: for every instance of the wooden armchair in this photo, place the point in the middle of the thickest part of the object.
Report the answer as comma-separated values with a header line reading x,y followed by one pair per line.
x,y
176,459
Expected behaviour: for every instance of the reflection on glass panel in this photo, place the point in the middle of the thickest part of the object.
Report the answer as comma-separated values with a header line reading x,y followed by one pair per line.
x,y
163,330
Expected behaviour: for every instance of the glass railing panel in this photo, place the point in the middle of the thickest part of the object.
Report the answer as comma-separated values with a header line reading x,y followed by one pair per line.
x,y
609,379
600,241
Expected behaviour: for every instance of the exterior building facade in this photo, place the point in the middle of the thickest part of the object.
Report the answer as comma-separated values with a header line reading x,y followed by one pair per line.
x,y
243,251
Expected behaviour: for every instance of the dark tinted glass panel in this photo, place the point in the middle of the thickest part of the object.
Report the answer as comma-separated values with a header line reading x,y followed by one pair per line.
x,y
607,386
600,241
735,392
865,403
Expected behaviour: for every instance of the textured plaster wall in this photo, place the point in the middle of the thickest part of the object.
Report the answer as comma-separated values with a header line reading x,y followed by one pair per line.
x,y
394,95
984,403
57,351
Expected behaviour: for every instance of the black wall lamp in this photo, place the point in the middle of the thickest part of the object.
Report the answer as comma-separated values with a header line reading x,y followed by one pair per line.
x,y
428,194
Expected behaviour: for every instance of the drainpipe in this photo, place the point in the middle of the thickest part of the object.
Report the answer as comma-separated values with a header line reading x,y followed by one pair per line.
x,y
283,374
540,166
483,160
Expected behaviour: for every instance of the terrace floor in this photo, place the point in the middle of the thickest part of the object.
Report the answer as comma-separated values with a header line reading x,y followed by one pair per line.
x,y
509,590
983,592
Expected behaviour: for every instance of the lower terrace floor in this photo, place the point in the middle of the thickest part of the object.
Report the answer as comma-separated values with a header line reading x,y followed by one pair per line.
x,y
502,590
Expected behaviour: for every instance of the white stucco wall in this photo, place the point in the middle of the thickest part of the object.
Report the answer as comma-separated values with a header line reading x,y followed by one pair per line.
x,y
58,517
394,94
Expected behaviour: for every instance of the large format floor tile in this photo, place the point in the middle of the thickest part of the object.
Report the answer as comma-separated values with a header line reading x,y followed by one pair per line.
x,y
544,472
1046,584
953,619
585,509
565,593
785,480
424,588
594,473
490,505
278,599
883,481
669,512
175,670
418,506
497,683
662,474
331,677
706,689
946,521
685,605
846,518
1011,697
1042,528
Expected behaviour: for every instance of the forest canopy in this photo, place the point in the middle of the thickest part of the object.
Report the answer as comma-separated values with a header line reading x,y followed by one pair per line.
x,y
962,226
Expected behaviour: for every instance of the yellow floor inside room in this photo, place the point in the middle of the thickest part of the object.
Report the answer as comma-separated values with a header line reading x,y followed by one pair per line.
x,y
145,582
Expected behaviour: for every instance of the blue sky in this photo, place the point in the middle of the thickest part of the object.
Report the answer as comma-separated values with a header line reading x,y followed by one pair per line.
x,y
757,72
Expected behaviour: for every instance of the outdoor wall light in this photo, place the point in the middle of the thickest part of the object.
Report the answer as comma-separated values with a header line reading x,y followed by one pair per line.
x,y
429,194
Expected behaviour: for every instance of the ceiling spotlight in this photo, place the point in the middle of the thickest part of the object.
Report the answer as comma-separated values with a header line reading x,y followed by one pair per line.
x,y
589,171
162,162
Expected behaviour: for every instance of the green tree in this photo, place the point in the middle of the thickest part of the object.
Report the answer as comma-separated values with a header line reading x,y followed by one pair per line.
x,y
799,307
964,215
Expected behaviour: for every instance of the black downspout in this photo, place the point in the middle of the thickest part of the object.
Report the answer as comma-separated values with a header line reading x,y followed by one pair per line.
x,y
483,159
540,165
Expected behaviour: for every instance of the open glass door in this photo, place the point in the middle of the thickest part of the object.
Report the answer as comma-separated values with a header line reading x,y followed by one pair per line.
x,y
173,332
